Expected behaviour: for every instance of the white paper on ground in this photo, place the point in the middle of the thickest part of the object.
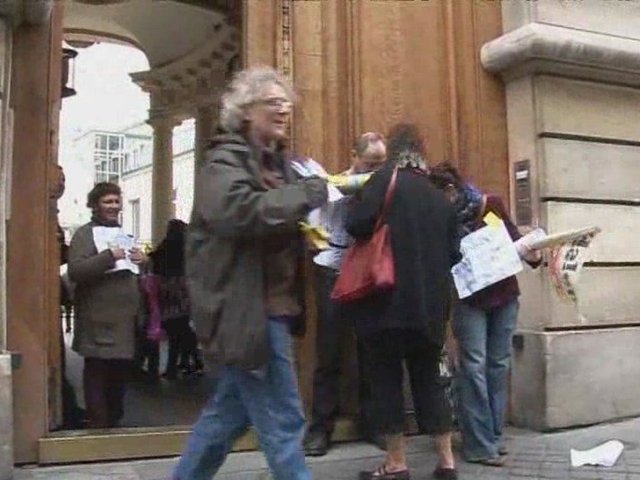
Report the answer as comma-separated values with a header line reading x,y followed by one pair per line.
x,y
605,455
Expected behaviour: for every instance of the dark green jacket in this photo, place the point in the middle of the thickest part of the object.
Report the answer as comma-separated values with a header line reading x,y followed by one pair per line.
x,y
234,214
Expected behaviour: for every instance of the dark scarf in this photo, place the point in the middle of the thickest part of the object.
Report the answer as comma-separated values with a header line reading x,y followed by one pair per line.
x,y
98,221
468,204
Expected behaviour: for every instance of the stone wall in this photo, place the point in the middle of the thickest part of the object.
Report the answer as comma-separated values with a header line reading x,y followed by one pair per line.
x,y
572,75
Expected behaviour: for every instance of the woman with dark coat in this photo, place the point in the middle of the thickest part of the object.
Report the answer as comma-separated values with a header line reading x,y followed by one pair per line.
x,y
168,263
107,304
408,323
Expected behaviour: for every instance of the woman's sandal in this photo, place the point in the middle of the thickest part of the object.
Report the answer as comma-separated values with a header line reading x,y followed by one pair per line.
x,y
381,473
441,473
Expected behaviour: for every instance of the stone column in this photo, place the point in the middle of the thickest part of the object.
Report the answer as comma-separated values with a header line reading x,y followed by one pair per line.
x,y
206,116
162,174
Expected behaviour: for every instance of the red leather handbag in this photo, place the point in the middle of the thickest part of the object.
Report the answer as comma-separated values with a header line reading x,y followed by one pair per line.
x,y
368,264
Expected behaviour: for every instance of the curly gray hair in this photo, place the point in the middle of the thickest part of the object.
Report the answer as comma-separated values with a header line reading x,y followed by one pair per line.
x,y
247,87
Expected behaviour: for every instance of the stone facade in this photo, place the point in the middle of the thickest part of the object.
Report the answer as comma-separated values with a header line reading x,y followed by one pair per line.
x,y
137,184
572,72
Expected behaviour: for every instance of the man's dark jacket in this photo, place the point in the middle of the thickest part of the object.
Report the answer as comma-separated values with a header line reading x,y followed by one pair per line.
x,y
234,215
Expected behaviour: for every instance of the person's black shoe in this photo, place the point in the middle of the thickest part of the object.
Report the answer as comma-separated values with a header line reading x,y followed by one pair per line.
x,y
316,444
75,420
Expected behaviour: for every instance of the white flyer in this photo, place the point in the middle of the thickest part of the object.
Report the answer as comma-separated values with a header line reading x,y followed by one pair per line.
x,y
488,256
311,168
114,237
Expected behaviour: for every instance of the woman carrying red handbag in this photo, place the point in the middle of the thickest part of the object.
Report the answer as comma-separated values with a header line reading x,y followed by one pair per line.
x,y
407,321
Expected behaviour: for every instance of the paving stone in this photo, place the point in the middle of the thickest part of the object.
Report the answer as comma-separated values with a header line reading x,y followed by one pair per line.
x,y
534,456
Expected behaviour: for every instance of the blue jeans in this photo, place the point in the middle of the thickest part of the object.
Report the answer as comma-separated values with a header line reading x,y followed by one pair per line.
x,y
484,340
269,400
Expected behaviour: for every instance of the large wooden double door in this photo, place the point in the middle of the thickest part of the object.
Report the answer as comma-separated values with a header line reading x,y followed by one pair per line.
x,y
364,65
357,66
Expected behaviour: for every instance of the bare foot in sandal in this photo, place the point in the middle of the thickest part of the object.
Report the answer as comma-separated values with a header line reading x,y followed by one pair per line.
x,y
385,473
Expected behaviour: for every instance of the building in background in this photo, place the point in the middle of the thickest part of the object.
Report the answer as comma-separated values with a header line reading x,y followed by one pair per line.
x,y
136,181
125,157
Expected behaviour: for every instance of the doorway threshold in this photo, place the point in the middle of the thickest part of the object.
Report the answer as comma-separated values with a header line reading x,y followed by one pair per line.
x,y
77,446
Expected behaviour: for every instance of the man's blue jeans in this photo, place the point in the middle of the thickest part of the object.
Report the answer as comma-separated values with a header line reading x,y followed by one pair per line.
x,y
484,339
269,400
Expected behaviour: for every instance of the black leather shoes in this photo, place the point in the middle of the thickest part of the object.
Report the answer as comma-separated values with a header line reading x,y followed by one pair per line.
x,y
316,444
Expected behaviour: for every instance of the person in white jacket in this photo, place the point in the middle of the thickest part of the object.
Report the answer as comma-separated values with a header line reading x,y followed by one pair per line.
x,y
369,154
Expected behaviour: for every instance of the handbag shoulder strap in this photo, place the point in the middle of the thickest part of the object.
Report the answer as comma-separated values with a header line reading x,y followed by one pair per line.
x,y
391,189
483,209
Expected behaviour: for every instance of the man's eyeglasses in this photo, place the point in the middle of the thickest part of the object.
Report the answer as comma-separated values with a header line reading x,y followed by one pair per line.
x,y
277,103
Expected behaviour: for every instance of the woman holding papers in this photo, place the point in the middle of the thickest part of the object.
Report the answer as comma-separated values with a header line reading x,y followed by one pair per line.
x,y
103,263
483,325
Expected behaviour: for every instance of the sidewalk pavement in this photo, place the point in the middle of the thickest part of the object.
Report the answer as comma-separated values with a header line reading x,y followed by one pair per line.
x,y
532,456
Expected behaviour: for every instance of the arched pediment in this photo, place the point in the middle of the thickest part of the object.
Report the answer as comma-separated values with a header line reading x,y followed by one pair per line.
x,y
166,30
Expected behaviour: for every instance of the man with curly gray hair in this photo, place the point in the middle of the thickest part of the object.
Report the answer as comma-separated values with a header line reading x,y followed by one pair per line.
x,y
243,257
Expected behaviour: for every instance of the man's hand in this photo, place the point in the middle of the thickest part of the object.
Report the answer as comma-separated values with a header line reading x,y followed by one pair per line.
x,y
316,189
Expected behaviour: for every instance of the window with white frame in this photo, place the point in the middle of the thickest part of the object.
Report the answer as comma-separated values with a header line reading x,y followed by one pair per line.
x,y
108,157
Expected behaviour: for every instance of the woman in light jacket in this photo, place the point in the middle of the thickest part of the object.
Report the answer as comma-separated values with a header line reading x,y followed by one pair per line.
x,y
483,326
106,305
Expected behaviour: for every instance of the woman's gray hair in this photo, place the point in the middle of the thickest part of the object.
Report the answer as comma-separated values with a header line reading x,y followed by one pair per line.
x,y
248,87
